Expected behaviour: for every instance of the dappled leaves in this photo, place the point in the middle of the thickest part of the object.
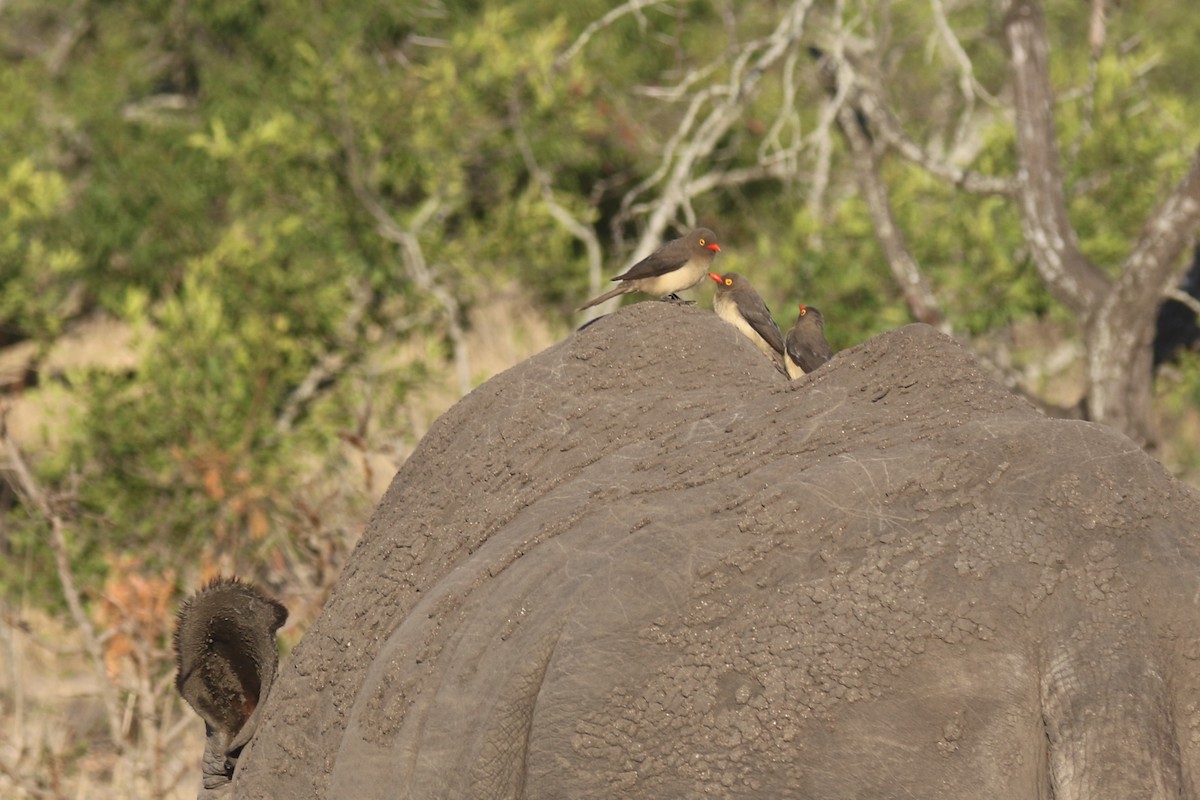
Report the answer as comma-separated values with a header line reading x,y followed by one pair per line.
x,y
273,195
35,268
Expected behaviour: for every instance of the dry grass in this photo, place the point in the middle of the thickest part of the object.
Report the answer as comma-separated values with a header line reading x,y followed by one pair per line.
x,y
60,744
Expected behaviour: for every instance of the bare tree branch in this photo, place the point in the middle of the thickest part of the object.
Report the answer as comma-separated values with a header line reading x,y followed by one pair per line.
x,y
778,169
918,294
629,7
678,91
56,58
884,123
822,169
822,136
772,147
1152,266
1069,275
412,254
968,85
339,357
842,79
582,232
1180,296
418,271
31,492
697,135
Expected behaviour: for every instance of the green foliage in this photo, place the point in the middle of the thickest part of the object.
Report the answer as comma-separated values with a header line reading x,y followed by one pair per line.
x,y
256,187
236,224
35,270
1127,159
1177,392
970,246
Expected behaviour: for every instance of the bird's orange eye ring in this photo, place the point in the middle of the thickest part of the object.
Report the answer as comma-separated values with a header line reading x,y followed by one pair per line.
x,y
702,242
729,281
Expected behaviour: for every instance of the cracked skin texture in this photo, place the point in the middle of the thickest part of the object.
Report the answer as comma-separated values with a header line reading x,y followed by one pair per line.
x,y
644,564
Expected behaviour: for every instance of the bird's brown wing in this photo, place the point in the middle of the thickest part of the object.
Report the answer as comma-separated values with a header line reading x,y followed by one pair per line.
x,y
807,352
668,258
760,319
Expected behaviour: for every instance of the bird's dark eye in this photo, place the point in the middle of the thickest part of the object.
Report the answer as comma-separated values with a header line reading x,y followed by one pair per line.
x,y
702,242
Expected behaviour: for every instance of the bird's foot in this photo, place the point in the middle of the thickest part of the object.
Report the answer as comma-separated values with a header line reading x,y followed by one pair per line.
x,y
677,300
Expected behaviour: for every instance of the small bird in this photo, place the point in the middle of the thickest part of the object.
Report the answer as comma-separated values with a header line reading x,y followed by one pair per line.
x,y
737,303
806,345
677,265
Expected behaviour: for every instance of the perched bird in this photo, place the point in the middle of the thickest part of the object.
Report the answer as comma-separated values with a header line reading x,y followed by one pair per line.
x,y
737,303
806,345
677,265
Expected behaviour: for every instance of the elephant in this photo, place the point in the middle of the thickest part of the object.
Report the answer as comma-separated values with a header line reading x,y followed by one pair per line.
x,y
644,564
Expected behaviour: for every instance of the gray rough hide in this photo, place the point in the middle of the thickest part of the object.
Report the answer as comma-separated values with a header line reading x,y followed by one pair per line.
x,y
643,564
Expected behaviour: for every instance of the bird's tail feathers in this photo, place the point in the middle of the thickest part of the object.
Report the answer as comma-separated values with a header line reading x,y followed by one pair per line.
x,y
609,295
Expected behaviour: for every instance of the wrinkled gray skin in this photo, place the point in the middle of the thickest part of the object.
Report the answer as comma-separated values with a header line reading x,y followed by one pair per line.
x,y
226,658
643,564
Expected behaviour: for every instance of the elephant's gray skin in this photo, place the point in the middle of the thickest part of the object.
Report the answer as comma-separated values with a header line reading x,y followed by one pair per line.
x,y
643,564
226,658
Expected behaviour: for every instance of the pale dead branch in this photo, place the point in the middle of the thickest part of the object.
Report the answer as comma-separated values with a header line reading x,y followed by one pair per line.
x,y
1152,266
884,124
35,498
581,231
968,85
680,90
918,293
711,112
629,7
412,254
773,148
81,23
821,138
1068,274
1180,296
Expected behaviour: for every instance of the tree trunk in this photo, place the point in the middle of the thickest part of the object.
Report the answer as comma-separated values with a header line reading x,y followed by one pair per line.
x,y
1118,371
1116,316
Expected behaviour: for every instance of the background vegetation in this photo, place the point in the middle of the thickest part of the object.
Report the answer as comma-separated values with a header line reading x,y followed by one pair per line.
x,y
248,250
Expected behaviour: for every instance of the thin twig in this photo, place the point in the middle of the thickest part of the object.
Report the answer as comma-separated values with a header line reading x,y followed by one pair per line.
x,y
630,7
1180,296
32,789
331,363
412,254
821,138
918,293
33,495
697,136
967,83
788,118
884,123
581,231
56,58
